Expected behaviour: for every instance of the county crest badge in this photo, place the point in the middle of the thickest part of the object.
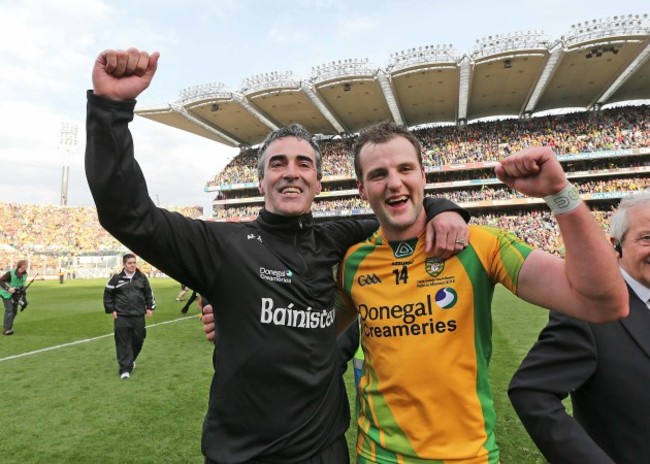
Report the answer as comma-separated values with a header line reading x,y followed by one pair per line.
x,y
434,266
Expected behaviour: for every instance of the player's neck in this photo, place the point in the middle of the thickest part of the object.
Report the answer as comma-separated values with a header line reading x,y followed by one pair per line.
x,y
396,233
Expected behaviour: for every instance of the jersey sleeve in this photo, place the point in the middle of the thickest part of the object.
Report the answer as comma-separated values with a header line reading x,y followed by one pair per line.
x,y
506,253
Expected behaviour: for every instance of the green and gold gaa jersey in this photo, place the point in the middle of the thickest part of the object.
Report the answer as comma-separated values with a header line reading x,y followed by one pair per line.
x,y
426,334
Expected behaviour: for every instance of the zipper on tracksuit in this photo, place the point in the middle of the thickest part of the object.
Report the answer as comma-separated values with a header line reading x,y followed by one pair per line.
x,y
295,243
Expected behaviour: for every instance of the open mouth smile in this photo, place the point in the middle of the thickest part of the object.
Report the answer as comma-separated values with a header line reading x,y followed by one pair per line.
x,y
290,190
397,201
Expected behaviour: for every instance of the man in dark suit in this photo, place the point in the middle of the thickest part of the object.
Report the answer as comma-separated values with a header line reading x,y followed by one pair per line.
x,y
604,367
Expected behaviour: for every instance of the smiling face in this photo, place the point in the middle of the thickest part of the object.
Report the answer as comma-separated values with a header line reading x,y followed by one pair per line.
x,y
290,180
393,180
635,257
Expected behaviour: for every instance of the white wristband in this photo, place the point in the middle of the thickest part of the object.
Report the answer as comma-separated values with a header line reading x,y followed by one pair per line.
x,y
565,200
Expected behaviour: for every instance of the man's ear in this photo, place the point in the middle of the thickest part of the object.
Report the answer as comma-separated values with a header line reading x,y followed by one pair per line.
x,y
319,184
617,246
362,194
260,188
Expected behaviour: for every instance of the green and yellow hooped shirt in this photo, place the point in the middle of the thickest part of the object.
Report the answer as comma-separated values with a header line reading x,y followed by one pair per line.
x,y
426,334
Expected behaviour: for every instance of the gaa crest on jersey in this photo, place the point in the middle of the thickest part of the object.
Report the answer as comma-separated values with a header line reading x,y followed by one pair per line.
x,y
368,279
434,266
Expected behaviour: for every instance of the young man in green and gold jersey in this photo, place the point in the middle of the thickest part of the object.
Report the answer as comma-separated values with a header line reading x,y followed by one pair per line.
x,y
425,324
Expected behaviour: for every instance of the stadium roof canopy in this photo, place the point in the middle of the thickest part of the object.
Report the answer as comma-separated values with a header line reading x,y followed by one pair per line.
x,y
511,75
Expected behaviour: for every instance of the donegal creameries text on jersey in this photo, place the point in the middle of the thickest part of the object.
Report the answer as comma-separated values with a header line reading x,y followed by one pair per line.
x,y
426,334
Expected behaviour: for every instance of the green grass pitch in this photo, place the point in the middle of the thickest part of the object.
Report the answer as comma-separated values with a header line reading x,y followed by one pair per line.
x,y
63,402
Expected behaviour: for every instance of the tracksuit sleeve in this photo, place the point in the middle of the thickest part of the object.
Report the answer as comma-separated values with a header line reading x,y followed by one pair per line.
x,y
434,206
150,300
348,344
170,241
109,302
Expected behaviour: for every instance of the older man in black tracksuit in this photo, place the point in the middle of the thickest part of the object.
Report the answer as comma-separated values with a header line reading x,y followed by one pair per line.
x,y
128,297
277,395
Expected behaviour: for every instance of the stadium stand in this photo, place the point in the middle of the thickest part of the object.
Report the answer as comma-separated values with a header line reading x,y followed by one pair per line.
x,y
63,239
432,88
605,153
596,64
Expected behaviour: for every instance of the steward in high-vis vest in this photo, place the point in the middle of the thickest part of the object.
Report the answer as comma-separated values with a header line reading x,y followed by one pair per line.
x,y
9,283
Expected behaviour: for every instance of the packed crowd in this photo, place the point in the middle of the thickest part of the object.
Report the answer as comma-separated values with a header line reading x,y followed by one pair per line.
x,y
46,233
536,227
341,205
195,212
611,129
53,229
52,236
586,186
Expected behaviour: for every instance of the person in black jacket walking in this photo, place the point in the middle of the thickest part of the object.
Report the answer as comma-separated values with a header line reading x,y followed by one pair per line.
x,y
128,297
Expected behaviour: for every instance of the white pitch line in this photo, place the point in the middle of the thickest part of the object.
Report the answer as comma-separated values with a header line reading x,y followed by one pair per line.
x,y
86,340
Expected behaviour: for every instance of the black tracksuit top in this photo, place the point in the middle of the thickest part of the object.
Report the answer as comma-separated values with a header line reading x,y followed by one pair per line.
x,y
128,296
277,394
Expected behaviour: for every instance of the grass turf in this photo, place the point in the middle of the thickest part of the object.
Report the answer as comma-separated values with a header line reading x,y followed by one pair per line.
x,y
68,405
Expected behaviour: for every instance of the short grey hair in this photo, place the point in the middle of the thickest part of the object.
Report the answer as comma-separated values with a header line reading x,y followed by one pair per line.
x,y
620,220
292,130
